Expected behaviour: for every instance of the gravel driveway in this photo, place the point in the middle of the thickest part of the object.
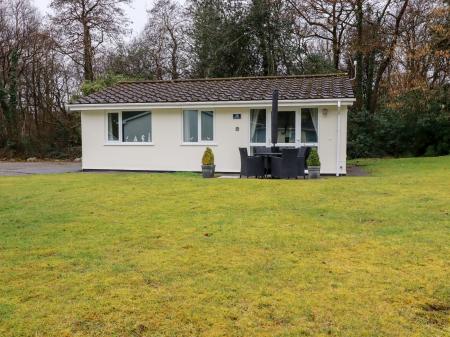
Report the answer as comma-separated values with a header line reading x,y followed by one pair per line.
x,y
8,168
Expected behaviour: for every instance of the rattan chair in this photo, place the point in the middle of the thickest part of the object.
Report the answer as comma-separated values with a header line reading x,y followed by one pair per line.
x,y
303,154
251,166
260,150
286,166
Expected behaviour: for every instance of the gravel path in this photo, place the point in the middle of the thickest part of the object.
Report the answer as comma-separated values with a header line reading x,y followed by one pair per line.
x,y
8,168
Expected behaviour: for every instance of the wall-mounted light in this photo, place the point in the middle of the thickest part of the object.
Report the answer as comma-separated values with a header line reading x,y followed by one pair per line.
x,y
324,112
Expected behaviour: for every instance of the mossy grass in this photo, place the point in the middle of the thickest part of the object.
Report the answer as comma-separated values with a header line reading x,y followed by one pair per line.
x,y
134,254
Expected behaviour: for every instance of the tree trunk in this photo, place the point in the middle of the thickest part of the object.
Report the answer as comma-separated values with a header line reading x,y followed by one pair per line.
x,y
336,50
359,56
387,60
370,73
174,61
12,129
88,55
335,39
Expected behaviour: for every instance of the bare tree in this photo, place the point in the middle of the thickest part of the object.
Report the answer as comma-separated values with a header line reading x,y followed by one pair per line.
x,y
377,29
85,25
328,20
390,45
165,31
35,82
19,25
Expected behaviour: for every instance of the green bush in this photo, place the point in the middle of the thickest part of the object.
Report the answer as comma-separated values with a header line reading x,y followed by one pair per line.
x,y
416,123
313,159
100,83
208,157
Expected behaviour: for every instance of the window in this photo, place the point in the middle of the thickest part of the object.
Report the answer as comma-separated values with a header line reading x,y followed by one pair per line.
x,y
130,127
309,125
286,127
197,127
190,126
113,126
207,126
257,125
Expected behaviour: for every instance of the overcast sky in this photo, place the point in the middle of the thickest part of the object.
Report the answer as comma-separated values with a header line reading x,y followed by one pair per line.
x,y
137,12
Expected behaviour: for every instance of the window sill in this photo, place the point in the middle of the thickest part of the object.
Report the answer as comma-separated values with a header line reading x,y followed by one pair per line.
x,y
261,144
198,144
284,144
309,144
129,144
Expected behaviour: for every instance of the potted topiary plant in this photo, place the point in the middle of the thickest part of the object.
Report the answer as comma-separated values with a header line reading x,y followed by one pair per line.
x,y
313,164
208,166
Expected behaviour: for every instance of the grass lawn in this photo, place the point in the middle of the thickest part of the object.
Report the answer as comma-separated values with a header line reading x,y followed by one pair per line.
x,y
177,255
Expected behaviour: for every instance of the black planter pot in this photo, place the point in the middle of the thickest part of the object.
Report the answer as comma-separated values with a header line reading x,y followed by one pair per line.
x,y
314,172
208,171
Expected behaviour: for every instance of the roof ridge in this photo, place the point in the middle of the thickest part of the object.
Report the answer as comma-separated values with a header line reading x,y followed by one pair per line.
x,y
213,79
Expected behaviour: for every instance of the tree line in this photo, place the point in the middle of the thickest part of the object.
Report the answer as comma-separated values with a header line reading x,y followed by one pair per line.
x,y
401,49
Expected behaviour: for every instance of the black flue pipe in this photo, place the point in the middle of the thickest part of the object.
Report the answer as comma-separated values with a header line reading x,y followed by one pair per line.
x,y
274,119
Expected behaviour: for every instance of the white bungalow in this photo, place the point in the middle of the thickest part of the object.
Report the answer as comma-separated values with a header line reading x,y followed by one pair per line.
x,y
166,125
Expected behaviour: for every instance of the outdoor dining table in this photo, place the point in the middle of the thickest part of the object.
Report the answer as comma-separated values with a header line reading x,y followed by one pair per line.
x,y
269,154
267,162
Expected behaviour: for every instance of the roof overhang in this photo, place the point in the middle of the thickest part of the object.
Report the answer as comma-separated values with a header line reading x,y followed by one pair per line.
x,y
215,104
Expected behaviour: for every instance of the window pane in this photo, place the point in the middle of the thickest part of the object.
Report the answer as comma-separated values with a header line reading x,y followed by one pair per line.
x,y
309,125
257,125
136,126
190,126
207,125
286,127
113,126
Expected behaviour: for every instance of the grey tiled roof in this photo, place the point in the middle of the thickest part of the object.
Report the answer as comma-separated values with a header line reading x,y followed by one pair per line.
x,y
224,89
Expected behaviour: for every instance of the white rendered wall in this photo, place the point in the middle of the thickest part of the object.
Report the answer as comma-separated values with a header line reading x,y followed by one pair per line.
x,y
328,125
168,153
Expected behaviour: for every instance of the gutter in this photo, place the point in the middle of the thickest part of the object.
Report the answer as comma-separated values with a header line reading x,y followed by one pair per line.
x,y
212,104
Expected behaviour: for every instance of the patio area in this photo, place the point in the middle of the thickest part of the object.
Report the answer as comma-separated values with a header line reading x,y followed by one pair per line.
x,y
275,162
294,151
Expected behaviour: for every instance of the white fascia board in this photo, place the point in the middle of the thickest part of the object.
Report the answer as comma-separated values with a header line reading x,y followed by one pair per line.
x,y
216,104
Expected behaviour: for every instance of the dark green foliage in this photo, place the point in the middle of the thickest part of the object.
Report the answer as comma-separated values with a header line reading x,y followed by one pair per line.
x,y
313,159
8,104
414,124
109,79
208,157
3,107
245,38
61,141
272,29
221,39
318,64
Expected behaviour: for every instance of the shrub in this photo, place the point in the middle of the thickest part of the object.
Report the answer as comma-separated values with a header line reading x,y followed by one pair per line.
x,y
415,123
313,159
208,157
100,83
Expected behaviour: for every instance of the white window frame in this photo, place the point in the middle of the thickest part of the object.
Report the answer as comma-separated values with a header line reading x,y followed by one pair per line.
x,y
298,128
120,142
299,137
200,142
267,142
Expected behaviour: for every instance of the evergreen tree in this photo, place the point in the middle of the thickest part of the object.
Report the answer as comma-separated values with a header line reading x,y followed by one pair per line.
x,y
221,42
